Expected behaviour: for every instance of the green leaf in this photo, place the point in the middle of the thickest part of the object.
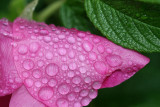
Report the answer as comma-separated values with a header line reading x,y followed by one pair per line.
x,y
29,9
123,28
74,16
15,8
52,8
151,1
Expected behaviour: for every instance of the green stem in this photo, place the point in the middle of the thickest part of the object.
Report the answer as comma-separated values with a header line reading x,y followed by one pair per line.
x,y
50,10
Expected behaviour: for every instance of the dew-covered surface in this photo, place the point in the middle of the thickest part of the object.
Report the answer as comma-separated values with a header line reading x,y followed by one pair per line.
x,y
65,67
9,79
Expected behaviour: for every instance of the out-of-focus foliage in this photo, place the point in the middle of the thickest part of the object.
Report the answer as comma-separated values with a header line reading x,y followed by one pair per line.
x,y
151,1
142,90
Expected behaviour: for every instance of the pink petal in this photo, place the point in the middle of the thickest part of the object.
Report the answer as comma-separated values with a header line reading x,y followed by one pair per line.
x,y
9,80
21,98
66,67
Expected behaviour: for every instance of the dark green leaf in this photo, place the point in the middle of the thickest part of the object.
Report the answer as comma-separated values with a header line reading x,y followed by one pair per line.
x,y
151,1
124,28
74,16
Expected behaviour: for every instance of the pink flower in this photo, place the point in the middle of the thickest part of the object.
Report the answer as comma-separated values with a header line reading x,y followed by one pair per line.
x,y
57,67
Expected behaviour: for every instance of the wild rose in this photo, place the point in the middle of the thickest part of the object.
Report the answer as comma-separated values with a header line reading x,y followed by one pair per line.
x,y
44,65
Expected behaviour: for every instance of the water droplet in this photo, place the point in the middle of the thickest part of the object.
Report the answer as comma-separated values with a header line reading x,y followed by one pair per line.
x,y
76,80
61,36
87,46
77,104
84,93
92,56
71,54
109,51
71,96
114,60
81,34
63,89
100,48
87,80
36,73
28,82
52,82
70,74
49,55
72,66
45,93
33,47
100,67
37,84
64,67
71,40
52,69
43,32
44,80
82,69
40,63
62,103
92,94
96,85
47,39
22,49
85,101
25,74
28,64
62,51
81,57
96,40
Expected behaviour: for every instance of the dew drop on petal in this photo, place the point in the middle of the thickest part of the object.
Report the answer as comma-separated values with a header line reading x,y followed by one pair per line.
x,y
92,56
62,51
85,101
96,85
100,67
28,82
71,40
71,96
114,60
62,103
45,93
87,46
49,55
87,80
71,54
72,66
63,89
84,93
100,48
76,80
77,104
28,64
33,47
36,73
52,69
82,69
92,94
23,49
52,82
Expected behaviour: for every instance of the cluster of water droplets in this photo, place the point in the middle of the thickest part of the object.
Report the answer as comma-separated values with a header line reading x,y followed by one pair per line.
x,y
63,67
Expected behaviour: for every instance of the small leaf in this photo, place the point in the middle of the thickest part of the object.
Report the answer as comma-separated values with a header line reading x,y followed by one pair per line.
x,y
121,28
29,9
151,1
74,16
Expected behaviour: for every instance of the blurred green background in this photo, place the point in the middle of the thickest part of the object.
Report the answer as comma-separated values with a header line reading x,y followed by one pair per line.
x,y
142,90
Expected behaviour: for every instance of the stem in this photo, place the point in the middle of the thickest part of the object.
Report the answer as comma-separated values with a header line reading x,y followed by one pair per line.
x,y
50,10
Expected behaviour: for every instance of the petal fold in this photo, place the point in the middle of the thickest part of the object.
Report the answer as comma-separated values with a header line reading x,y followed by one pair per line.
x,y
21,98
